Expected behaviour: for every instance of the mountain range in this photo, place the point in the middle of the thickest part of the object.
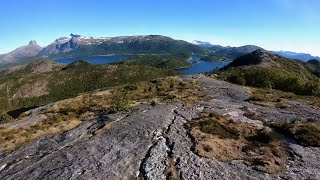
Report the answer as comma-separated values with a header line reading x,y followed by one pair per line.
x,y
294,55
234,52
88,121
77,46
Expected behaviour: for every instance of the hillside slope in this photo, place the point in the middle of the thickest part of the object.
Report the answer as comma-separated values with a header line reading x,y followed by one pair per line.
x,y
34,67
43,82
314,66
169,62
262,69
217,52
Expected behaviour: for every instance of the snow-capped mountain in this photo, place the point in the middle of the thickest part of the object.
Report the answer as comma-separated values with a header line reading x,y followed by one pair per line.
x,y
71,42
77,45
202,44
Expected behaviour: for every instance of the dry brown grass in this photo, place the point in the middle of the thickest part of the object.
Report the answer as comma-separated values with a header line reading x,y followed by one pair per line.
x,y
305,133
260,149
67,114
12,138
171,171
275,98
163,90
123,98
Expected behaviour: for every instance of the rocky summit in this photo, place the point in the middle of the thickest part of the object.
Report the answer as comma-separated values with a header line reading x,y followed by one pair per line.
x,y
173,140
27,51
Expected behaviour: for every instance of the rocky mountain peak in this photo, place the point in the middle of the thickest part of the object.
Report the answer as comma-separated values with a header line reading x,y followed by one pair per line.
x,y
33,42
74,35
30,50
259,57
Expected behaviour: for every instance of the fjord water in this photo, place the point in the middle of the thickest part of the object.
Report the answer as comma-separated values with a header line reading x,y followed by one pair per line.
x,y
95,59
198,66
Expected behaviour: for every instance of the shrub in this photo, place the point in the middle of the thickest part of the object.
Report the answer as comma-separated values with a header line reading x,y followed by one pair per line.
x,y
119,104
258,98
284,79
4,118
237,79
212,126
306,134
214,115
264,136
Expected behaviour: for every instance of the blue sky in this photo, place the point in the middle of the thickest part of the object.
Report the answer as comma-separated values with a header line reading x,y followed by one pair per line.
x,y
273,24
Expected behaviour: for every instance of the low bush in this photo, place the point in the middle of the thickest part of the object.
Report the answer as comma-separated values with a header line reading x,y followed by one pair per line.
x,y
273,78
306,134
5,118
264,136
213,126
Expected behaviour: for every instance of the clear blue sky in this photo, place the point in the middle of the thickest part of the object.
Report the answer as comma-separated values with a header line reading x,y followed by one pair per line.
x,y
273,24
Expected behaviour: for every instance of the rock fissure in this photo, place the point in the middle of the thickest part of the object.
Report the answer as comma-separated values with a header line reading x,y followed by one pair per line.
x,y
154,159
142,171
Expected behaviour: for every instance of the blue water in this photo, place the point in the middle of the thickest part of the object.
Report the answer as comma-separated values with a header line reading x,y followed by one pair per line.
x,y
199,66
95,59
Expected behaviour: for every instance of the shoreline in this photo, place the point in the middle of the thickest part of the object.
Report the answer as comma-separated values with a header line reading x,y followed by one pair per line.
x,y
107,55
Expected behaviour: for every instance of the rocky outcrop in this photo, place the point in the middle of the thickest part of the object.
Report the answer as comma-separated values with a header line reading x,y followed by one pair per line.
x,y
151,142
35,67
259,58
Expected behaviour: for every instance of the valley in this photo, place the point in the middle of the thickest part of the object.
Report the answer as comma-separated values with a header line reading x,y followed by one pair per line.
x,y
159,90
159,113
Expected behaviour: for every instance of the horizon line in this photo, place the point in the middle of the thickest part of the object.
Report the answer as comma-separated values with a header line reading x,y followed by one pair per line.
x,y
189,41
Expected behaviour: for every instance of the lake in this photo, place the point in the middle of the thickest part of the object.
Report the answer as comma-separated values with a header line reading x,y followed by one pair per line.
x,y
95,59
198,66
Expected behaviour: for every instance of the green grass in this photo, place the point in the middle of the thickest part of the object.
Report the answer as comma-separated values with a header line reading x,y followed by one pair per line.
x,y
314,67
77,64
284,78
119,104
168,62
